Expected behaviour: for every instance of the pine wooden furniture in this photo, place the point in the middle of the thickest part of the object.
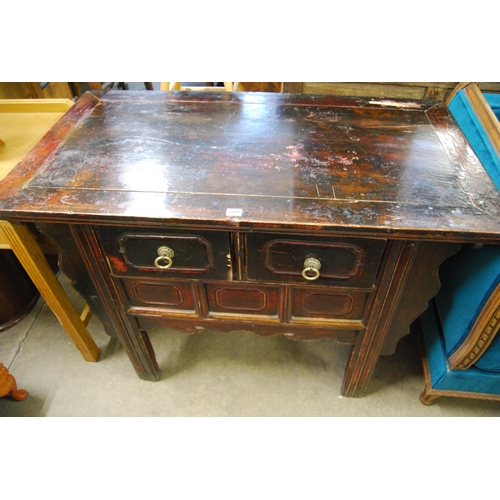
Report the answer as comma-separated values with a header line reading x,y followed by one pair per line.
x,y
22,125
296,215
35,90
460,331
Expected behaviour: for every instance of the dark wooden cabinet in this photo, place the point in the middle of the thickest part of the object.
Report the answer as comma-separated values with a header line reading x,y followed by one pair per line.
x,y
305,216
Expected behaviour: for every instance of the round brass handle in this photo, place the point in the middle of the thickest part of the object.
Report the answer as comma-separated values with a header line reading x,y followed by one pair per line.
x,y
311,269
164,259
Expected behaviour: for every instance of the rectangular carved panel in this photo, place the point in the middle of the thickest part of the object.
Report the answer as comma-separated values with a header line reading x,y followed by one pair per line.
x,y
327,304
171,295
133,252
344,262
242,300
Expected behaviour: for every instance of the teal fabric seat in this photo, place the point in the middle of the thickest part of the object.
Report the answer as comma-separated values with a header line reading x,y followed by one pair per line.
x,y
468,282
476,135
445,381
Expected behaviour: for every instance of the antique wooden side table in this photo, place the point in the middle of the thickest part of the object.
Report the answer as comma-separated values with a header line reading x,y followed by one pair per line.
x,y
307,216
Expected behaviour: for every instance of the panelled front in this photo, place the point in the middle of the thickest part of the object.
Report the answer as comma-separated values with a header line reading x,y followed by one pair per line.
x,y
327,304
201,281
140,253
232,301
340,262
149,297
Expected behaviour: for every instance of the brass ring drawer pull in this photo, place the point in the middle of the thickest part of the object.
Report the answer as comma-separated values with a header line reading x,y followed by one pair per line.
x,y
164,259
311,269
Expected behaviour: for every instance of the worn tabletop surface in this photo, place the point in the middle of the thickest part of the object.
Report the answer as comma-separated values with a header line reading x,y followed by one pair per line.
x,y
255,160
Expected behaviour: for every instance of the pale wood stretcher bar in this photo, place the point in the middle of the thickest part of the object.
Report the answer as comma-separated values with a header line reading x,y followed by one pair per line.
x,y
23,122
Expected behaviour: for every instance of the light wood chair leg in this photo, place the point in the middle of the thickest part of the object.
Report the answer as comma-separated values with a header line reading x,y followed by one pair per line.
x,y
33,260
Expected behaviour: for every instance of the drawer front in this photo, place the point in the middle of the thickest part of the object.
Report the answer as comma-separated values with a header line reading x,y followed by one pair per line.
x,y
233,301
172,296
343,262
326,304
136,252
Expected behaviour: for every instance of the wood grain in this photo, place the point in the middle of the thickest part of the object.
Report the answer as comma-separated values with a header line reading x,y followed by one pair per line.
x,y
244,187
34,262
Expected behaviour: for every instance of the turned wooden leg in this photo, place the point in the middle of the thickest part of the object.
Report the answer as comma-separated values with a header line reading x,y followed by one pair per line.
x,y
8,385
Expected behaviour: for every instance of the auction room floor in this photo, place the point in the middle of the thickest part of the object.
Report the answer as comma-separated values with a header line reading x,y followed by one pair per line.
x,y
208,374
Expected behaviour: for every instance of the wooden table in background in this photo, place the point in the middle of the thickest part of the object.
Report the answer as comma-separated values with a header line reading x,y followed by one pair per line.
x,y
402,90
22,124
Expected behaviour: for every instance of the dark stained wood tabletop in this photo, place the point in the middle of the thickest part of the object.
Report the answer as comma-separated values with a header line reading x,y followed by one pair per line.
x,y
368,166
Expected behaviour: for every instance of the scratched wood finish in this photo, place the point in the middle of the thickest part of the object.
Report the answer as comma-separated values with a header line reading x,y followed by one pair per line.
x,y
380,191
392,166
408,90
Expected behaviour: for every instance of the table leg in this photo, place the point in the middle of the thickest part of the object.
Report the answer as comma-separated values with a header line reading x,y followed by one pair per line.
x,y
409,280
135,342
366,351
26,249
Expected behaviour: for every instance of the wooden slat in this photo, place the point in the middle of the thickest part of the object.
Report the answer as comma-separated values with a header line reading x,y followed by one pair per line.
x,y
35,105
485,115
23,123
34,262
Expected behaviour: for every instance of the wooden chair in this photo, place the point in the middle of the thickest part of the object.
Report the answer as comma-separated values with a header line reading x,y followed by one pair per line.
x,y
461,344
19,238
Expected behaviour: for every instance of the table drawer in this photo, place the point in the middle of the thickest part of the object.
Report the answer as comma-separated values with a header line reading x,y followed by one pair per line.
x,y
231,301
326,304
344,262
171,295
173,254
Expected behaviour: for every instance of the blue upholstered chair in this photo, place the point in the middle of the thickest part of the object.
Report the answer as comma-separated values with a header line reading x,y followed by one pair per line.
x,y
460,329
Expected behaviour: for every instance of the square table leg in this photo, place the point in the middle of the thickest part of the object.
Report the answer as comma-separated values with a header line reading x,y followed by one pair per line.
x,y
26,249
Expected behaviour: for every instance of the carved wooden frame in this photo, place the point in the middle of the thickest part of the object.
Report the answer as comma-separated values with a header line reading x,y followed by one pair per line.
x,y
429,395
480,336
487,323
484,113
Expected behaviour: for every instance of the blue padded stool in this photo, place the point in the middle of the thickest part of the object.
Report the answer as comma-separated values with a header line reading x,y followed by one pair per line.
x,y
459,330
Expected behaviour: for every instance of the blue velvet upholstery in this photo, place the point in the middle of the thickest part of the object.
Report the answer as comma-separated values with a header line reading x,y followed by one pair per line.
x,y
471,127
442,376
467,280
